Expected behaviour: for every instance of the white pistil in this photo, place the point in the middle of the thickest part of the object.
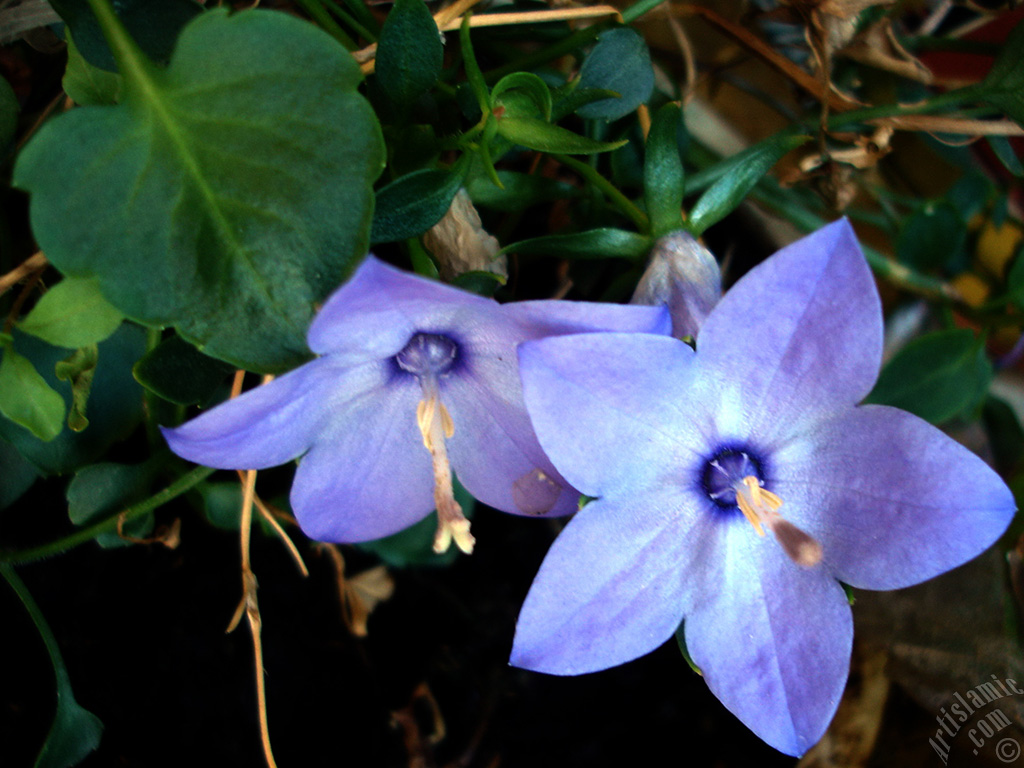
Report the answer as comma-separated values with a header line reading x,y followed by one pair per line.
x,y
435,425
760,507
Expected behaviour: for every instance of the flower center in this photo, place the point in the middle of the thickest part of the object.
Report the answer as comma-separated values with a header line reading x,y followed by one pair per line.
x,y
430,356
734,479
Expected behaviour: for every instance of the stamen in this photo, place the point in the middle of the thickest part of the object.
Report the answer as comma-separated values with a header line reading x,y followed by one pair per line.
x,y
760,507
435,425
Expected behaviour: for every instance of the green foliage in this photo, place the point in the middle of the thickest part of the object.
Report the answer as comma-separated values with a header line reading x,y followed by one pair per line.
x,y
413,204
529,85
78,370
937,377
592,244
27,399
534,133
100,489
115,402
517,190
72,314
250,102
153,24
89,85
619,62
933,236
179,373
409,53
1003,87
737,176
9,111
663,172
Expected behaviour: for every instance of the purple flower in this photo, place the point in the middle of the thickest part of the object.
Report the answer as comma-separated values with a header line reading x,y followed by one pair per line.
x,y
738,485
415,379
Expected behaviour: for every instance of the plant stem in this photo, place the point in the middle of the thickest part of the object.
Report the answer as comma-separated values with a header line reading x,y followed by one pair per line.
x,y
178,487
610,191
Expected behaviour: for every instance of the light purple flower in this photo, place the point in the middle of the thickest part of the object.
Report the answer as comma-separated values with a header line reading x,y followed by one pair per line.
x,y
694,456
415,379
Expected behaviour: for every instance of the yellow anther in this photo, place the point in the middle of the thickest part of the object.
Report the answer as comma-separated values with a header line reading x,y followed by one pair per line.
x,y
760,507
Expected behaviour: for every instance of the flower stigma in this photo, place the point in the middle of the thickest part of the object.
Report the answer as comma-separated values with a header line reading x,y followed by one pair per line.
x,y
430,357
732,479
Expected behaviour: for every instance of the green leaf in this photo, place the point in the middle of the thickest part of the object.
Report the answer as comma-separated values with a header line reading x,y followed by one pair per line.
x,y
106,487
1003,150
479,282
17,472
663,171
409,52
74,734
518,190
9,110
26,398
1003,87
179,373
932,236
115,402
937,377
592,244
78,369
474,76
527,84
619,62
88,85
153,24
72,314
1005,434
222,504
226,196
409,206
738,176
533,133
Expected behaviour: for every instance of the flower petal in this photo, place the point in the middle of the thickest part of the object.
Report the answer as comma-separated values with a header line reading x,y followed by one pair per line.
x,y
892,499
773,641
560,318
801,333
266,426
606,406
374,314
615,584
494,450
368,475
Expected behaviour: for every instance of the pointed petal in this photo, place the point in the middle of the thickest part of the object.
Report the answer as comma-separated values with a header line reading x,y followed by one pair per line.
x,y
801,333
892,499
559,318
266,426
615,584
369,476
373,315
773,642
494,450
609,408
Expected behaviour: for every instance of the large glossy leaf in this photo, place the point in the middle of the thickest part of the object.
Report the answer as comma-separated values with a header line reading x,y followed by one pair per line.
x,y
227,194
936,377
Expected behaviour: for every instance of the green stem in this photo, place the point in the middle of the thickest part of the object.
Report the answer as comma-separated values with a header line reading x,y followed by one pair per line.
x,y
942,101
346,18
622,202
637,10
327,23
59,670
178,487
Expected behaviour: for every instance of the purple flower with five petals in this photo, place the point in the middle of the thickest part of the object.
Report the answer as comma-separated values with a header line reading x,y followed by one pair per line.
x,y
737,485
414,379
